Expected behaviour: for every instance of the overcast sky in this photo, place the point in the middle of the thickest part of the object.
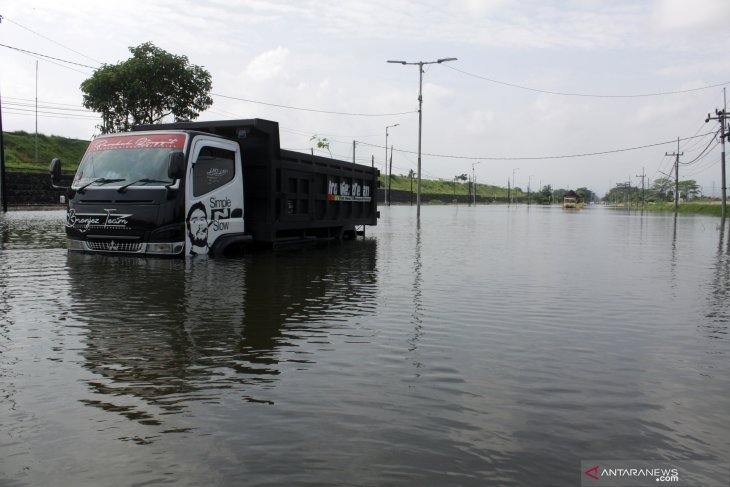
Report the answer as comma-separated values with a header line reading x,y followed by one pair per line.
x,y
505,109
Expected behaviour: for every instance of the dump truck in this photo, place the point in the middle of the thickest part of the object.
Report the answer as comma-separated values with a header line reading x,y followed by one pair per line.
x,y
209,188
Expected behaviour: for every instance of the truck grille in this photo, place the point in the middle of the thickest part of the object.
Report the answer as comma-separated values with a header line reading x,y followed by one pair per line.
x,y
114,246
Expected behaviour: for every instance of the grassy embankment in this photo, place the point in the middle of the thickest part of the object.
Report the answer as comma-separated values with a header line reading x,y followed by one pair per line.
x,y
20,152
20,155
445,189
703,207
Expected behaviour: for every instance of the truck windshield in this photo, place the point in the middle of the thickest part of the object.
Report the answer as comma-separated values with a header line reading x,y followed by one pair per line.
x,y
128,159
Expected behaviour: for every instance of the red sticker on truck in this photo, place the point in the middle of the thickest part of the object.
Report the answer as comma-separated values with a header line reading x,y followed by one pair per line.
x,y
156,141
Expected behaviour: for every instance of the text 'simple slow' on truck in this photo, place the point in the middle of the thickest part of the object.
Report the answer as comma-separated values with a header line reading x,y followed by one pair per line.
x,y
190,188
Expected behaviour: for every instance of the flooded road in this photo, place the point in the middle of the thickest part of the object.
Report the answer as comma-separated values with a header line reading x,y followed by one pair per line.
x,y
485,346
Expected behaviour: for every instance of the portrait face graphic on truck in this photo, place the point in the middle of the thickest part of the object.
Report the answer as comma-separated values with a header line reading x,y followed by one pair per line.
x,y
197,226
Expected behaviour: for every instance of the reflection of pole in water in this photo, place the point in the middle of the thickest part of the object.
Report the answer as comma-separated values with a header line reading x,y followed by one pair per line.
x,y
417,295
719,290
674,251
722,236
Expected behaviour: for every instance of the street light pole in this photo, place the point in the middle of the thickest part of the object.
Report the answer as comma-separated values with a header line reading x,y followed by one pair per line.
x,y
387,182
474,180
420,65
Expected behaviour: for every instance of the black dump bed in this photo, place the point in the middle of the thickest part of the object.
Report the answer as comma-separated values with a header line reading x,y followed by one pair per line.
x,y
288,194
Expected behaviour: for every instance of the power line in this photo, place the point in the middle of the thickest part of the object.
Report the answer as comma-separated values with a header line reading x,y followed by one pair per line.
x,y
47,57
703,164
703,151
586,95
30,100
48,106
20,111
568,156
49,39
313,109
32,53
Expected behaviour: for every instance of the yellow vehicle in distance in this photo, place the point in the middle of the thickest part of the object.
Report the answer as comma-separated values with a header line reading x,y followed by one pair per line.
x,y
572,200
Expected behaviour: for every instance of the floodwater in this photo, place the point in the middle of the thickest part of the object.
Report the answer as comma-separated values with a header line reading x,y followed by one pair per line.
x,y
485,346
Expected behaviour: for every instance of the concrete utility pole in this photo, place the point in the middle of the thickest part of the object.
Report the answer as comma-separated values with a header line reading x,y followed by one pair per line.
x,y
387,182
474,180
642,176
390,177
721,116
3,193
676,175
36,113
420,65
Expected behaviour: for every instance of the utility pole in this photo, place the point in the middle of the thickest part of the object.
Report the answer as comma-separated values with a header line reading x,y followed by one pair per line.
x,y
36,112
3,192
474,179
721,116
676,175
353,151
410,176
470,183
390,177
420,65
387,182
627,194
642,176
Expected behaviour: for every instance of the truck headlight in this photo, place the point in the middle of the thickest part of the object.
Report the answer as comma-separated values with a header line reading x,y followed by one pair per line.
x,y
167,248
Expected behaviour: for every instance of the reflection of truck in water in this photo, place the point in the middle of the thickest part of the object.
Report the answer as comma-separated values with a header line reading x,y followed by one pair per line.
x,y
207,187
210,330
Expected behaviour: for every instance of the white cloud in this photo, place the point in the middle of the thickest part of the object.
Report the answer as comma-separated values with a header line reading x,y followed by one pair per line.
x,y
690,15
269,65
478,122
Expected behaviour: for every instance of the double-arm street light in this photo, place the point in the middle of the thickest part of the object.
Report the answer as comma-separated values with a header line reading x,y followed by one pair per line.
x,y
420,65
388,196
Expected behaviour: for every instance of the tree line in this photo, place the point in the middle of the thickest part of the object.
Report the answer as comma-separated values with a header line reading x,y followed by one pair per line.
x,y
661,189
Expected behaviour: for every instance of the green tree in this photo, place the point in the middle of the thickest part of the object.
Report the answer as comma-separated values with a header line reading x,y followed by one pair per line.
x,y
689,189
623,194
662,189
459,177
544,196
322,143
146,88
587,195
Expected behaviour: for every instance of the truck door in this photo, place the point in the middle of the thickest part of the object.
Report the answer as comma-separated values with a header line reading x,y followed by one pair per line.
x,y
214,193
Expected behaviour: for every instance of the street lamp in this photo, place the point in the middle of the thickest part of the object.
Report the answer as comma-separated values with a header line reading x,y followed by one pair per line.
x,y
387,183
420,65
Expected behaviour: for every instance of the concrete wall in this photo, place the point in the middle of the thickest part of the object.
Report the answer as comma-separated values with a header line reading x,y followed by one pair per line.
x,y
30,188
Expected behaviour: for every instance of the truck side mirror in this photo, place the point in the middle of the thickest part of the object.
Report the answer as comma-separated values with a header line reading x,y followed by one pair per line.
x,y
55,170
176,166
